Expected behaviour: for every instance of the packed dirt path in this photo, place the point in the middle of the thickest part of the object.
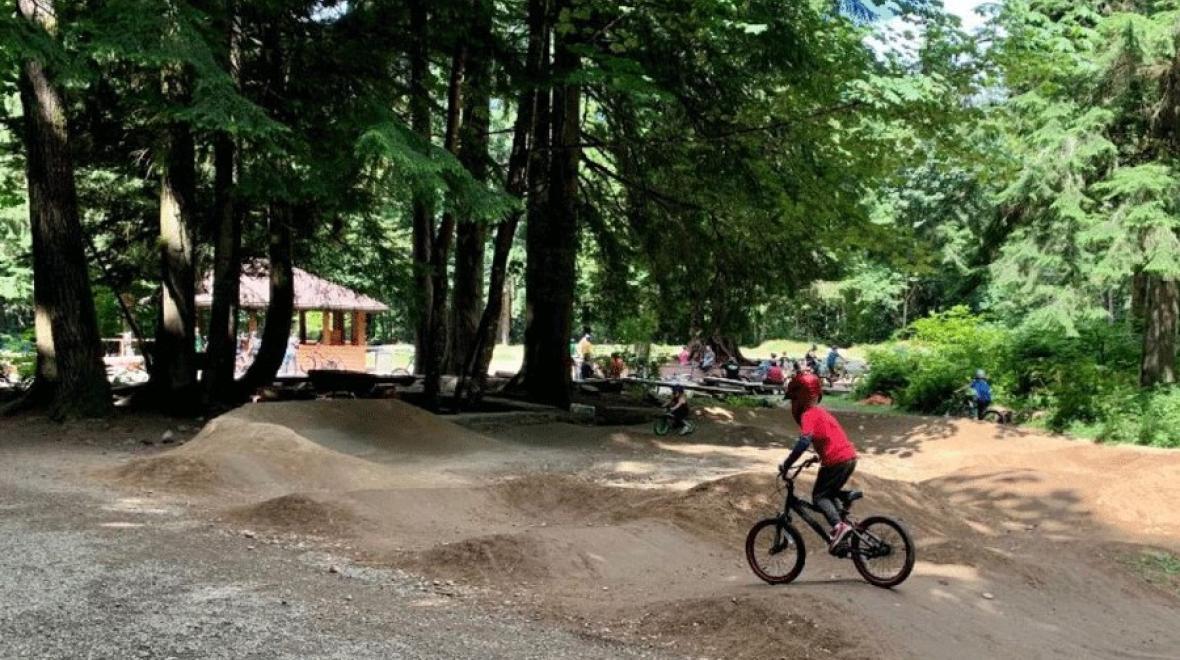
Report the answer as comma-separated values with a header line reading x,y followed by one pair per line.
x,y
1029,546
90,572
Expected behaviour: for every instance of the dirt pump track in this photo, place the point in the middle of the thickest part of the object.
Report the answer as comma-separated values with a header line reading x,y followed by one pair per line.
x,y
1022,538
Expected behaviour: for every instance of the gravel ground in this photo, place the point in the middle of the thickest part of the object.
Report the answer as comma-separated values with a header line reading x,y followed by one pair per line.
x,y
90,573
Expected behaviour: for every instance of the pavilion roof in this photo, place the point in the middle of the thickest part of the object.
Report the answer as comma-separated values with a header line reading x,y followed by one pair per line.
x,y
311,291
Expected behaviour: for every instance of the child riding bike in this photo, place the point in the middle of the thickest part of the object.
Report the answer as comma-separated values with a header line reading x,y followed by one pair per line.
x,y
981,391
678,409
820,431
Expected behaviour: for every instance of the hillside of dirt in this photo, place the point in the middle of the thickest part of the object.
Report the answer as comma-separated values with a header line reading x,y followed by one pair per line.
x,y
1026,543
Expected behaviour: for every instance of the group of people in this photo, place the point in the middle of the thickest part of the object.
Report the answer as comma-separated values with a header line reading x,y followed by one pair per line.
x,y
582,361
771,371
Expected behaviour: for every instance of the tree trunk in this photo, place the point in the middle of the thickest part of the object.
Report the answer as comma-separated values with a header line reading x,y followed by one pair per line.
x,y
505,316
221,353
71,378
1138,300
221,349
441,245
423,211
552,242
174,369
276,330
530,125
467,302
1159,334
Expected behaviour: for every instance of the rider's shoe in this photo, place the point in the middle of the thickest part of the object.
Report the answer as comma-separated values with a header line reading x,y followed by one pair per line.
x,y
685,430
838,533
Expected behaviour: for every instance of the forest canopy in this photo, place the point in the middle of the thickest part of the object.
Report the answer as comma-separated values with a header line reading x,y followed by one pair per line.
x,y
663,170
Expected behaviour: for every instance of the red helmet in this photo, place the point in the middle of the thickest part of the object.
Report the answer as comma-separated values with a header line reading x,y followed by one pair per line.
x,y
804,391
805,388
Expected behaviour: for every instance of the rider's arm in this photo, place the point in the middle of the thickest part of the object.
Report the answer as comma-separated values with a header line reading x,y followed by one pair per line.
x,y
800,446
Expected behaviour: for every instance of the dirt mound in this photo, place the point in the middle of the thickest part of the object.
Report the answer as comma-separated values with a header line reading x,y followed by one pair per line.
x,y
759,627
250,457
723,508
490,559
377,429
552,497
180,473
301,514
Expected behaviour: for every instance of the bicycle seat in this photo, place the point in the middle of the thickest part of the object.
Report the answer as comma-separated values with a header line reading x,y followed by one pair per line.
x,y
850,496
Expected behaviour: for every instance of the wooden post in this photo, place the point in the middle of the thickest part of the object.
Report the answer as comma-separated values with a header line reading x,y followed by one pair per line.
x,y
302,326
359,321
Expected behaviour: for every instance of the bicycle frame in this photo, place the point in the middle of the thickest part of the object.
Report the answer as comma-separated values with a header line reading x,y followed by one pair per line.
x,y
802,507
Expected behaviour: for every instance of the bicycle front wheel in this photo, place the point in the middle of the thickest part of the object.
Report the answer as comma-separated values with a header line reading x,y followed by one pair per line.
x,y
993,416
882,551
662,425
775,551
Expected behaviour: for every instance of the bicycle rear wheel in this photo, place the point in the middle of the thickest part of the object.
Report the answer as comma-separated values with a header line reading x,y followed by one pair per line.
x,y
775,551
993,416
882,551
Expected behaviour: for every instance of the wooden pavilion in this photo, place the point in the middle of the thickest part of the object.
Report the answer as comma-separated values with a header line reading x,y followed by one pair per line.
x,y
342,339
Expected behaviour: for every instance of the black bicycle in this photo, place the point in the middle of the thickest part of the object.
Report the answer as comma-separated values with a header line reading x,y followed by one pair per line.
x,y
969,409
880,547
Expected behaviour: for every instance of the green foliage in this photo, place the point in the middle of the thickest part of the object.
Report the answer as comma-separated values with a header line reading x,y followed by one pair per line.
x,y
1071,375
892,368
939,359
1089,197
1086,378
1150,417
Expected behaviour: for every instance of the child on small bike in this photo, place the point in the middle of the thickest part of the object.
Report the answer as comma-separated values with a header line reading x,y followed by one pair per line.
x,y
981,391
678,409
821,432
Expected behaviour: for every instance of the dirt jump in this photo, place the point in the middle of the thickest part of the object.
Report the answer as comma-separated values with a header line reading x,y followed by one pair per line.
x,y
1028,545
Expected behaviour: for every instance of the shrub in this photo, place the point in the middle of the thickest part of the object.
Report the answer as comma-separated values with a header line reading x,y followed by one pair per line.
x,y
890,371
943,352
1159,417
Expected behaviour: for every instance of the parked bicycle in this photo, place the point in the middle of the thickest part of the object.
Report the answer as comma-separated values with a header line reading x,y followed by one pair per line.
x,y
880,547
314,360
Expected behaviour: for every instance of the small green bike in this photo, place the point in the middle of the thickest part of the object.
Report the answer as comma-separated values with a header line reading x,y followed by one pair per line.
x,y
666,422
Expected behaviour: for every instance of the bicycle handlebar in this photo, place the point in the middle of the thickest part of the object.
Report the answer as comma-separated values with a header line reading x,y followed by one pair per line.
x,y
799,468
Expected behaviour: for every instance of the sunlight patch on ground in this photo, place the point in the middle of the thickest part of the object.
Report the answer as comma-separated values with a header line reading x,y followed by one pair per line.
x,y
137,505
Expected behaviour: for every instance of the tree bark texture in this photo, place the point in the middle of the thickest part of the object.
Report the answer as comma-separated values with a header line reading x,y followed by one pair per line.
x,y
528,126
442,240
1159,332
221,349
71,377
276,330
423,208
471,235
221,353
552,242
174,369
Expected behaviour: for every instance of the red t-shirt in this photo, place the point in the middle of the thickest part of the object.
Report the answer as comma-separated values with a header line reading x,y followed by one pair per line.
x,y
775,375
827,436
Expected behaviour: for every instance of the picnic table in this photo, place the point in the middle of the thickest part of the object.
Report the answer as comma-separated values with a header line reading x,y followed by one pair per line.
x,y
751,387
695,387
